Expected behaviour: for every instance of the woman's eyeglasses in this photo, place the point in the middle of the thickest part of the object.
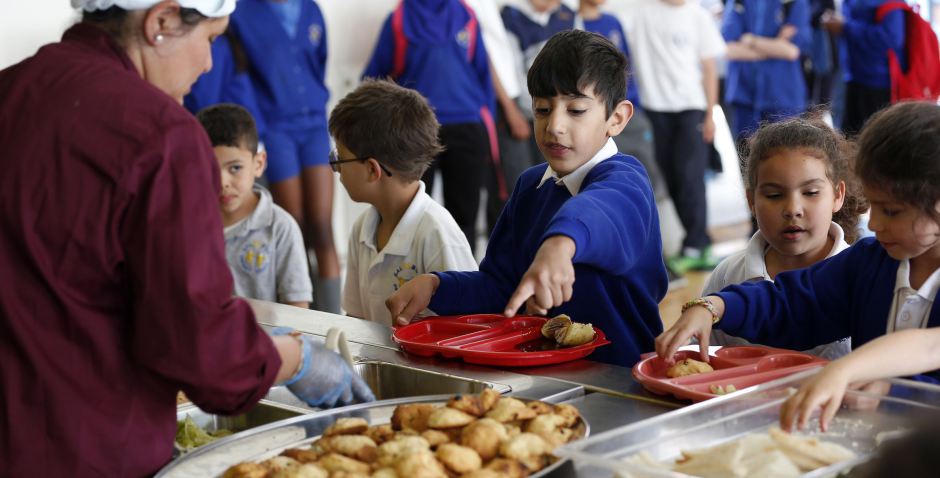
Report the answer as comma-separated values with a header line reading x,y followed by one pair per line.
x,y
335,161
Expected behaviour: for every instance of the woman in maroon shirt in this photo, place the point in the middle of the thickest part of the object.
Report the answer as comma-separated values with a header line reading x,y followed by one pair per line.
x,y
114,290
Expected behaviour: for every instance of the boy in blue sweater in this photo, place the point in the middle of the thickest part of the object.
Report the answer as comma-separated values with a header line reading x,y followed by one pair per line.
x,y
588,213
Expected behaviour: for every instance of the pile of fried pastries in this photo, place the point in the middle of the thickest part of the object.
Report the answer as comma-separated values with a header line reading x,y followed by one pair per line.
x,y
473,436
777,453
566,332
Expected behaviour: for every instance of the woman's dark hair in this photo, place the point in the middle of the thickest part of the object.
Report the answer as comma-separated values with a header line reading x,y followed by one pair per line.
x,y
574,60
114,20
816,139
899,150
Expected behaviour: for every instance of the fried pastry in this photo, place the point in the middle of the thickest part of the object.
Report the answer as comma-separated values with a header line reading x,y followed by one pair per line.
x,y
359,447
482,473
420,465
484,437
510,409
413,416
390,452
246,470
446,417
575,334
303,455
553,325
347,426
686,367
545,426
436,437
334,462
524,445
459,459
384,473
507,468
380,433
569,413
540,407
488,399
279,463
308,470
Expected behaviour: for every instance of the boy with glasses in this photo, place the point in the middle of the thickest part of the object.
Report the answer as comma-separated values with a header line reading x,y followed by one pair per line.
x,y
386,137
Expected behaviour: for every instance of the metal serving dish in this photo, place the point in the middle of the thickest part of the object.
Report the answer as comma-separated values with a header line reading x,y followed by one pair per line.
x,y
388,380
752,410
263,413
270,440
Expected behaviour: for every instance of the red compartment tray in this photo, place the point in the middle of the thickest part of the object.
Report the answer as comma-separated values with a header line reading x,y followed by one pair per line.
x,y
742,367
490,339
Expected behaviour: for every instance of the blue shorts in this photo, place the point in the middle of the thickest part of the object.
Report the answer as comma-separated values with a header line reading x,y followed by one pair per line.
x,y
289,151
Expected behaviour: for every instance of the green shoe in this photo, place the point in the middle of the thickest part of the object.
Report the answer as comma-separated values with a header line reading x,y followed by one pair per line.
x,y
705,261
681,264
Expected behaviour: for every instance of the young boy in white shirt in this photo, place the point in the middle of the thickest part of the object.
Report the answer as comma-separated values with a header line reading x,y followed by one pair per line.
x,y
674,45
263,243
386,137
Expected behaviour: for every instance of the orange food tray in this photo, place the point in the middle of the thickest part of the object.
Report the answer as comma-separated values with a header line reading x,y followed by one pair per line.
x,y
742,367
490,339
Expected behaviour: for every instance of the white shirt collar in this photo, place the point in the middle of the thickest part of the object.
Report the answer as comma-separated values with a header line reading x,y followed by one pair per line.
x,y
541,18
574,179
755,264
399,243
903,281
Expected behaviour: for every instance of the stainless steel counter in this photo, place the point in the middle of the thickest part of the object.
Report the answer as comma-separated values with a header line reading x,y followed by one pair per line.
x,y
619,396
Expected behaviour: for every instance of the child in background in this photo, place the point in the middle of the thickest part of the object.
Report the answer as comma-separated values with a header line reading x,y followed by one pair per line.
x,y
386,136
907,352
765,76
675,44
879,285
806,204
286,45
434,47
263,244
588,213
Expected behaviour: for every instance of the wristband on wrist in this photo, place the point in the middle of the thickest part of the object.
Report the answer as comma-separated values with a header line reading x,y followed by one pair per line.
x,y
703,302
305,360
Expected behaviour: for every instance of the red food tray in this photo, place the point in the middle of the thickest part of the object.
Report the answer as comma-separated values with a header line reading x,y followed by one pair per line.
x,y
490,339
739,366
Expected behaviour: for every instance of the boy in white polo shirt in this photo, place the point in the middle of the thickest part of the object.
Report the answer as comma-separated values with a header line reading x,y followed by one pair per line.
x,y
386,137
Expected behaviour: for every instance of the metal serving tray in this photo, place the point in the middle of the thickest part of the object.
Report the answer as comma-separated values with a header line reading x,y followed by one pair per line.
x,y
752,410
269,440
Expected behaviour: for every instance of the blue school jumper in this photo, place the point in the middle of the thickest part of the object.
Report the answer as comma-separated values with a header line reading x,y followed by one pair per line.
x,y
436,61
619,271
530,33
849,294
287,73
865,44
224,84
608,26
770,89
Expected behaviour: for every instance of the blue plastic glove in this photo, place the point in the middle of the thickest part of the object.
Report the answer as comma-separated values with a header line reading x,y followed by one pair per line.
x,y
325,380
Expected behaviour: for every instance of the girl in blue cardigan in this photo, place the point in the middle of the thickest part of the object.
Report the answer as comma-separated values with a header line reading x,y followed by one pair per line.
x,y
878,286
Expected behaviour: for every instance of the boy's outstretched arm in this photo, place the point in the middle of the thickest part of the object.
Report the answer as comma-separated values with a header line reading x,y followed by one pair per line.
x,y
878,359
549,280
413,297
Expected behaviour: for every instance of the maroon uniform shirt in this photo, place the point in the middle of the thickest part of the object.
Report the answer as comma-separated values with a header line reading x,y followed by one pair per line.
x,y
114,290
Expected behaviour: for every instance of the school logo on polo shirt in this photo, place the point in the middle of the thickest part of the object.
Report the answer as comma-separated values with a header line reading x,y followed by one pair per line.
x,y
254,257
404,273
315,33
463,38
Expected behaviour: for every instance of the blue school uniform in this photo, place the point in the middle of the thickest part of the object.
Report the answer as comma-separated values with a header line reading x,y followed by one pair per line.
x,y
767,89
436,60
849,294
620,276
287,75
608,26
224,84
865,44
532,34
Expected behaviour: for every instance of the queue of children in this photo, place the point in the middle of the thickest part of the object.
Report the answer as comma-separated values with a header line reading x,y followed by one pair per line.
x,y
588,211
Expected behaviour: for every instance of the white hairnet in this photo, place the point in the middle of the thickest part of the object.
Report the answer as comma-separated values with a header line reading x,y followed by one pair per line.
x,y
209,8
